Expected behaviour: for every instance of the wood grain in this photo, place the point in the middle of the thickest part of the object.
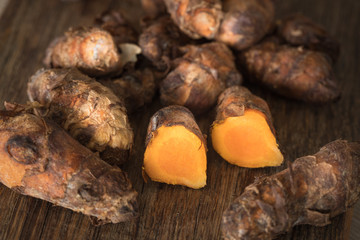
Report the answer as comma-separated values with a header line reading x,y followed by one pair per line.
x,y
175,212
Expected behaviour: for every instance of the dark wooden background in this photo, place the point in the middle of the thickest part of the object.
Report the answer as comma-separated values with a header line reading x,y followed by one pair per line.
x,y
175,212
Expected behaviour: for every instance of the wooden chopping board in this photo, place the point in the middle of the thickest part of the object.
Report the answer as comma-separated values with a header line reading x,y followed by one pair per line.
x,y
175,212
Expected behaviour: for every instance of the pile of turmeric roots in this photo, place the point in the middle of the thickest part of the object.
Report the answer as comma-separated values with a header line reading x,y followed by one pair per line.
x,y
67,143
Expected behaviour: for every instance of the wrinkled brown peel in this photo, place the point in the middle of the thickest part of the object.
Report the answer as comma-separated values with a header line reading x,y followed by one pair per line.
x,y
299,30
89,111
243,133
319,187
175,148
199,77
292,72
196,18
41,160
245,22
91,50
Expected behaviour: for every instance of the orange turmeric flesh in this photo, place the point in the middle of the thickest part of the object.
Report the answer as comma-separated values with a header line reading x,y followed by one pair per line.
x,y
176,156
247,141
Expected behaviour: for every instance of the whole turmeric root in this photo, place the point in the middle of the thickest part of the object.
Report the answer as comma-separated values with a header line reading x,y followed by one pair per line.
x,y
160,42
200,76
91,50
41,160
120,29
175,148
314,189
136,87
299,30
243,133
245,22
292,72
196,18
89,111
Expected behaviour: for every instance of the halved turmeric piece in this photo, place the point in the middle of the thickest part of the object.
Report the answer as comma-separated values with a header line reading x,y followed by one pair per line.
x,y
175,148
243,133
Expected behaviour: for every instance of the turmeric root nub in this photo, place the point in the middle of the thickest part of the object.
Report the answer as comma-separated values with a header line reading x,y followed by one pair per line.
x,y
175,153
243,134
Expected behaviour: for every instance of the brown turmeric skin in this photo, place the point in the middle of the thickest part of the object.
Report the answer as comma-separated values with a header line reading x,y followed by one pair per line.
x,y
314,189
175,148
243,133
89,111
41,160
200,76
299,30
245,22
160,42
136,87
120,29
292,72
196,18
91,50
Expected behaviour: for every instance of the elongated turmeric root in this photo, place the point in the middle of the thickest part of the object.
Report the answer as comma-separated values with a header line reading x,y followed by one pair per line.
x,y
292,72
314,189
89,111
175,148
91,50
200,76
243,133
41,160
196,18
245,22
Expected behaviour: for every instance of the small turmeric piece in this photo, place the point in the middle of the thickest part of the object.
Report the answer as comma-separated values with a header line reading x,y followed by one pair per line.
x,y
91,50
39,159
292,72
160,42
196,18
116,24
299,30
89,111
245,22
200,76
153,8
312,190
243,133
175,148
135,86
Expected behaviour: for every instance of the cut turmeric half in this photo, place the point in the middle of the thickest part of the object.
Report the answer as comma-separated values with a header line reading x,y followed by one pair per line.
x,y
246,141
175,152
243,134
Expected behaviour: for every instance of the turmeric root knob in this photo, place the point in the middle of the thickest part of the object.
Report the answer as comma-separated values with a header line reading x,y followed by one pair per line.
x,y
91,50
200,76
175,148
89,111
243,133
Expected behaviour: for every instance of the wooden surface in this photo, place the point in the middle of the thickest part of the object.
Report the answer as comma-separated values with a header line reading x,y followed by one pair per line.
x,y
175,212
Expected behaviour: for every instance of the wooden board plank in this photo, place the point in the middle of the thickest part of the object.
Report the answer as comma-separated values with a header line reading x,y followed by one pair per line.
x,y
174,212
